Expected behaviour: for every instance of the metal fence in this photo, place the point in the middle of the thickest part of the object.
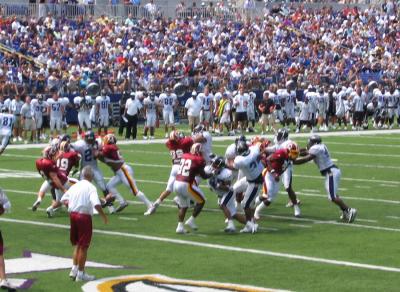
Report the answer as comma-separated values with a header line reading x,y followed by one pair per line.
x,y
211,10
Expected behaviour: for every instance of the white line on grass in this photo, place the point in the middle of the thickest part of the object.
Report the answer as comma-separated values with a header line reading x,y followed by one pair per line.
x,y
393,217
300,225
217,246
310,190
362,187
128,218
388,186
367,220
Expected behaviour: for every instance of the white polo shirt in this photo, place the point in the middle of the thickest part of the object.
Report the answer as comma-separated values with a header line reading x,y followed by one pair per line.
x,y
193,106
82,197
133,106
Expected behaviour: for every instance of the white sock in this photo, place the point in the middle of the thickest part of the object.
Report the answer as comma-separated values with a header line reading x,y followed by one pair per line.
x,y
157,202
181,225
260,207
142,197
80,274
190,220
74,268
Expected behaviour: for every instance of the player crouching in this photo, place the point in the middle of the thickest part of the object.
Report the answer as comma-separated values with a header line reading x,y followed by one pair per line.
x,y
191,165
221,184
109,154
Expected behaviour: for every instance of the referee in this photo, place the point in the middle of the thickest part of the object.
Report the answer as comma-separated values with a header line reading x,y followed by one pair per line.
x,y
81,198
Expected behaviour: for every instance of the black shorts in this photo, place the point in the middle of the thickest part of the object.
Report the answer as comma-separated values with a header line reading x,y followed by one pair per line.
x,y
1,244
241,116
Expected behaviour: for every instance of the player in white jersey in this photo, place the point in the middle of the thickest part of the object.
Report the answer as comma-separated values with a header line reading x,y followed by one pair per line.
x,y
200,135
168,101
392,105
241,103
207,107
66,104
6,129
290,105
248,161
321,99
251,112
151,115
38,109
103,112
55,109
396,95
86,148
83,104
311,94
280,101
221,184
320,154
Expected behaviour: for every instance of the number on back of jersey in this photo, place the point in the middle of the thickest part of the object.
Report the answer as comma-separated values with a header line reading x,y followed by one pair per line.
x,y
184,167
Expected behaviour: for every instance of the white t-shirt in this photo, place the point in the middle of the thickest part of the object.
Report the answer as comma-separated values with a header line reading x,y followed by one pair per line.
x,y
193,106
6,124
55,108
103,102
250,165
168,101
133,106
241,102
322,158
82,197
16,106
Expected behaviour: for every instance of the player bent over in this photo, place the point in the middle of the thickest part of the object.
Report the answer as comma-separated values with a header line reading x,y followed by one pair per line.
x,y
109,154
318,152
177,145
220,183
192,164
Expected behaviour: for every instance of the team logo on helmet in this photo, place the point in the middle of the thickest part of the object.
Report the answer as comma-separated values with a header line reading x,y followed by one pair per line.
x,y
109,139
293,150
196,149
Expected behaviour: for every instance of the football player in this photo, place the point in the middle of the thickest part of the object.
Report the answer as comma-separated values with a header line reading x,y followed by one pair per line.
x,y
248,161
168,101
318,152
276,165
56,178
103,111
200,135
38,107
221,184
177,145
55,110
6,129
151,115
206,98
83,104
86,149
192,164
123,173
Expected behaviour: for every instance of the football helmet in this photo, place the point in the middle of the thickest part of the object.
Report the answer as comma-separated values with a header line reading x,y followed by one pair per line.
x,y
314,139
218,162
90,137
242,148
199,129
282,135
293,150
109,139
241,138
175,135
65,146
50,151
65,137
196,149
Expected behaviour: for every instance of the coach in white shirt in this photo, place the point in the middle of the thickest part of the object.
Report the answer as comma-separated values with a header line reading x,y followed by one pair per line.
x,y
193,106
132,110
81,199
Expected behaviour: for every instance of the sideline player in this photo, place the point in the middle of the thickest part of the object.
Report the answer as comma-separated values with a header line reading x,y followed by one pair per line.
x,y
123,173
83,104
221,184
103,112
168,101
38,108
151,112
192,164
318,152
55,110
177,145
6,129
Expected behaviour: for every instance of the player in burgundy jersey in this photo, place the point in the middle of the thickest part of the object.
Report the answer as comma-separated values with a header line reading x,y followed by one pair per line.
x,y
67,158
192,164
57,178
177,145
276,164
123,173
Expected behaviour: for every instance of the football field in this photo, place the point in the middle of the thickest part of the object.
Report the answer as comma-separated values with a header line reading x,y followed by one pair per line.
x,y
316,252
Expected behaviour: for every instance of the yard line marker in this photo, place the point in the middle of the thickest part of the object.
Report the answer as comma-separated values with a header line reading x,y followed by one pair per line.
x,y
389,186
216,246
37,209
365,154
393,217
300,225
367,220
343,189
309,190
362,187
268,228
128,218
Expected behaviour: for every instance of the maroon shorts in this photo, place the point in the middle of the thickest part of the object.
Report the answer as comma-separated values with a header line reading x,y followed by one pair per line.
x,y
1,244
81,229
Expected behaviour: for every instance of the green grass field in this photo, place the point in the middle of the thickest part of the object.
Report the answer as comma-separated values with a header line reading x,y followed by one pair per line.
x,y
313,253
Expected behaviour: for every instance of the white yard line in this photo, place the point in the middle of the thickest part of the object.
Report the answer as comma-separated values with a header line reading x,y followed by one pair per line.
x,y
393,217
310,190
300,225
216,246
232,138
367,220
128,218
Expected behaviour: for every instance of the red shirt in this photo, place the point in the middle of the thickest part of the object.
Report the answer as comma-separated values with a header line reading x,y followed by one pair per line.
x,y
190,167
67,160
178,148
45,166
111,153
278,161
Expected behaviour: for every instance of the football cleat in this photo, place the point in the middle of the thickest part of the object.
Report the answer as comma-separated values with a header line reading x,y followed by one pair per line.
x,y
121,207
36,205
297,211
50,212
6,285
180,229
151,210
73,273
351,215
290,204
248,228
191,224
84,277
